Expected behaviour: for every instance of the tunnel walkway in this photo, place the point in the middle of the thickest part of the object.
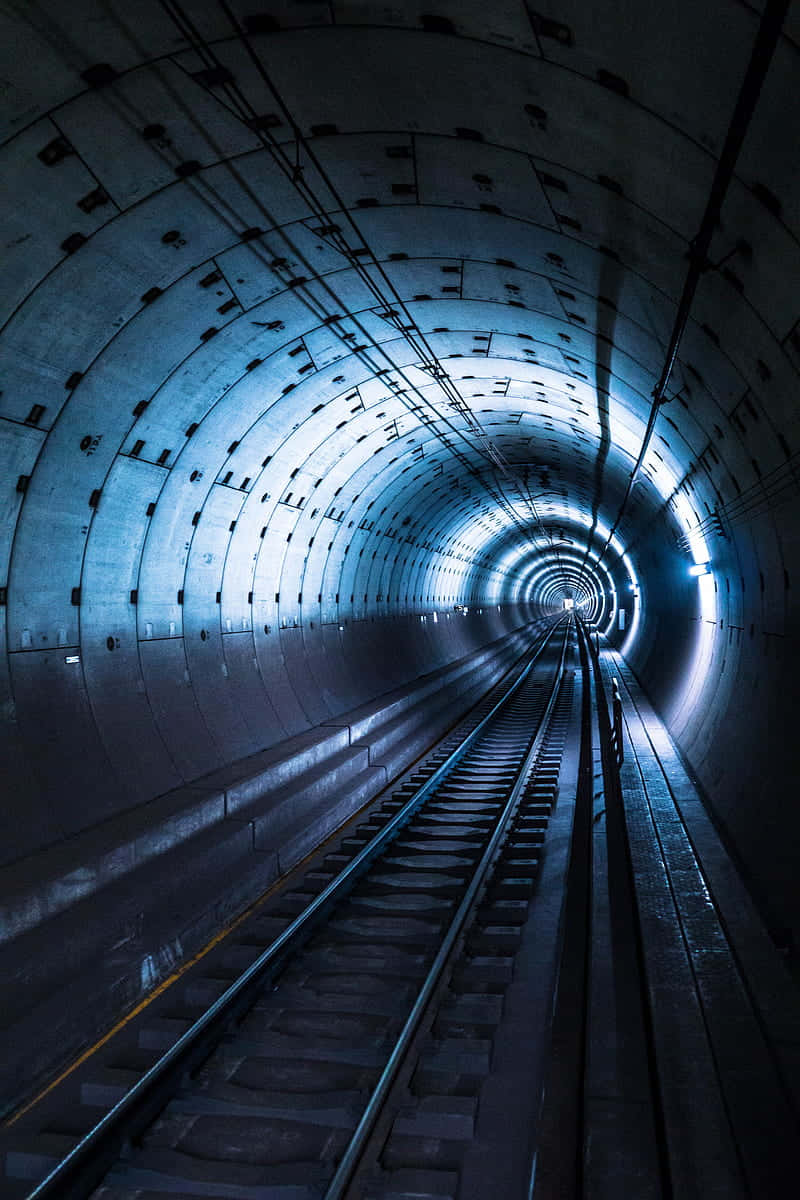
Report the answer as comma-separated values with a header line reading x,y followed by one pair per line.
x,y
613,1020
722,1014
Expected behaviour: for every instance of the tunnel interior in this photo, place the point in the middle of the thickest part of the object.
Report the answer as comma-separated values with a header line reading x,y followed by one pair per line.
x,y
330,335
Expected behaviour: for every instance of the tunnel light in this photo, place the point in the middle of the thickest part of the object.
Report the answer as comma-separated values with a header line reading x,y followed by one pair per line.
x,y
569,603
702,568
72,658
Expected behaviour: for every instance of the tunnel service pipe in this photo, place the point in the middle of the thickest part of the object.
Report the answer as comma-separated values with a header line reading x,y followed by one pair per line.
x,y
769,31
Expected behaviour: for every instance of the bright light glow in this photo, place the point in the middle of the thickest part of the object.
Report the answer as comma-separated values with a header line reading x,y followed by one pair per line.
x,y
699,569
694,536
569,602
540,573
72,658
550,569
692,694
633,628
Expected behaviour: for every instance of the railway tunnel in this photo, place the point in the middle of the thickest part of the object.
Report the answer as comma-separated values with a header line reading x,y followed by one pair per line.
x,y
346,350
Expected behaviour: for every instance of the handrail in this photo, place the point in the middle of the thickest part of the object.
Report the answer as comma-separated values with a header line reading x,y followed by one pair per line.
x,y
769,31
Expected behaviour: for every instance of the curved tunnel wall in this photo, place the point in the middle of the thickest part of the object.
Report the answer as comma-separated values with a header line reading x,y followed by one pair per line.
x,y
234,482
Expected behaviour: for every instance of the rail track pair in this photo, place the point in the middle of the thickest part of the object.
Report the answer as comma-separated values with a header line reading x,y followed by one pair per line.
x,y
337,1044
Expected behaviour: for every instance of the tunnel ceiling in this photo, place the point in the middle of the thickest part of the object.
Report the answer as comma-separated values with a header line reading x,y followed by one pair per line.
x,y
359,309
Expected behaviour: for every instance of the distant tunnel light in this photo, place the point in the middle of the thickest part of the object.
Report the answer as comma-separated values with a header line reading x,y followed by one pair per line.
x,y
703,568
569,602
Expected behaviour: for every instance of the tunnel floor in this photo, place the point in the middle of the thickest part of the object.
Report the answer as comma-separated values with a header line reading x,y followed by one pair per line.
x,y
611,1018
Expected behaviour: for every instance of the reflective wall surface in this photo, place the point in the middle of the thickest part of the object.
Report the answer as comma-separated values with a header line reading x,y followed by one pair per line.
x,y
328,344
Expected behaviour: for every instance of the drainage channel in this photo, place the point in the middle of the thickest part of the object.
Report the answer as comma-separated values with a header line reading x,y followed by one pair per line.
x,y
288,1076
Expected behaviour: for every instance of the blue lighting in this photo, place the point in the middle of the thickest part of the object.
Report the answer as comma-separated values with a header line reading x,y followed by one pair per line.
x,y
700,569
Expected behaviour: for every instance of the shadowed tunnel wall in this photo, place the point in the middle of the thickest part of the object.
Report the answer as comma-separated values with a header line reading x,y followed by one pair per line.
x,y
312,335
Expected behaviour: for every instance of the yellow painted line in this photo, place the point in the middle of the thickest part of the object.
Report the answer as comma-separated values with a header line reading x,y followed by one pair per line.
x,y
176,975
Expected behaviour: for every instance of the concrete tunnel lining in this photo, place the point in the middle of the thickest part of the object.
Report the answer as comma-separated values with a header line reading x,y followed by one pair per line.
x,y
228,523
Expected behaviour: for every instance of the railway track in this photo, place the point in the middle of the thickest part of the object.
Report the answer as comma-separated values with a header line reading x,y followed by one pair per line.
x,y
337,1045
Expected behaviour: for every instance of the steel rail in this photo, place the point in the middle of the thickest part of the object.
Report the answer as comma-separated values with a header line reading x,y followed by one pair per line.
x,y
357,1145
96,1150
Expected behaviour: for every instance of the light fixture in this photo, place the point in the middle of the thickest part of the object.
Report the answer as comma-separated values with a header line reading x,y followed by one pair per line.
x,y
700,569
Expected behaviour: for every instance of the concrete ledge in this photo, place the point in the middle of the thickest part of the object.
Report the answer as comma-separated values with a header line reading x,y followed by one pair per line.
x,y
398,742
91,925
326,817
296,800
115,918
35,889
248,778
365,719
67,980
